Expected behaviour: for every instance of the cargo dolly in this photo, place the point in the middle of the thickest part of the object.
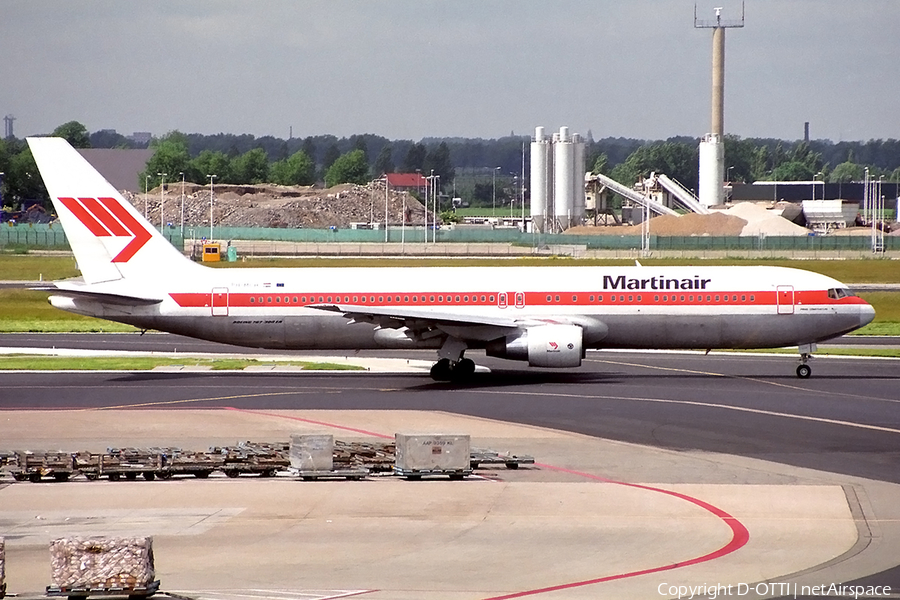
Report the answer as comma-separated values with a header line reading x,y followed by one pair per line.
x,y
133,593
481,456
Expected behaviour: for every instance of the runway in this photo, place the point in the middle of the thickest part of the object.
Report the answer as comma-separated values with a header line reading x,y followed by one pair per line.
x,y
718,422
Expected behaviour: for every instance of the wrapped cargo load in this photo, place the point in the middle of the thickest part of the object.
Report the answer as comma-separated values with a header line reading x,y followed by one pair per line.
x,y
312,452
2,567
102,562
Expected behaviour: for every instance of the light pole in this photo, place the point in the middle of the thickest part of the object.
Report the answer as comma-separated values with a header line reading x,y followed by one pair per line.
x,y
494,190
162,200
816,180
211,179
729,173
182,205
385,208
434,203
146,191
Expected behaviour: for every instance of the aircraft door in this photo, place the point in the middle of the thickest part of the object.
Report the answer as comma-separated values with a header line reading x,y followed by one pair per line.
x,y
520,299
785,299
219,302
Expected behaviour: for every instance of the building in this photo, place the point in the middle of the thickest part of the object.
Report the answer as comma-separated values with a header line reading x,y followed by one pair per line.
x,y
119,166
409,182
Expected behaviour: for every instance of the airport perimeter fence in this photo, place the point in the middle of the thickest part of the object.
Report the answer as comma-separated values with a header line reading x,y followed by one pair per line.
x,y
51,236
27,236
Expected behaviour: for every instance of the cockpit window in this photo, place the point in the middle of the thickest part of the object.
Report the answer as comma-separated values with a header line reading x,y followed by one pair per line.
x,y
838,293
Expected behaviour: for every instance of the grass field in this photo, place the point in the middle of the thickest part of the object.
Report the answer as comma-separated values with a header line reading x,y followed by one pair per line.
x,y
28,311
28,267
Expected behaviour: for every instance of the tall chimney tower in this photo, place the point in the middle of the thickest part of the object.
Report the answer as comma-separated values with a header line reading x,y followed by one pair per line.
x,y
712,149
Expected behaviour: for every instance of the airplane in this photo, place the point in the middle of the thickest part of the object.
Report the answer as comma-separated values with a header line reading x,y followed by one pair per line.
x,y
545,316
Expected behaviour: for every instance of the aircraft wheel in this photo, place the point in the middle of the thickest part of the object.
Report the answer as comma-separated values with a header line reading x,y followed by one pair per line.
x,y
804,371
464,368
441,370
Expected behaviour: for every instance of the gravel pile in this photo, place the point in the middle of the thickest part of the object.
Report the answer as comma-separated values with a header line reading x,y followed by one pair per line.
x,y
280,206
744,219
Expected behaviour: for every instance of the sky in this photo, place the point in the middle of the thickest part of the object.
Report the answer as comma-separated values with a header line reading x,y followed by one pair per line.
x,y
409,69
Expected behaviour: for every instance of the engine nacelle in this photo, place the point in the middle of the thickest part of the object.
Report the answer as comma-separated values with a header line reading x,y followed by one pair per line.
x,y
542,346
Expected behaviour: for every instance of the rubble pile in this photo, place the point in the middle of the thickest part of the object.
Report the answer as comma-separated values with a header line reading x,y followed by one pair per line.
x,y
102,562
269,205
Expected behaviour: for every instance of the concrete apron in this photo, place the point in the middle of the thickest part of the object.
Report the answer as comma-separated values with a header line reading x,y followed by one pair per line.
x,y
594,518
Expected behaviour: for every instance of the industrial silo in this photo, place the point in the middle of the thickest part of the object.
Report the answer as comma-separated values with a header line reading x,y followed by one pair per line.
x,y
563,184
540,179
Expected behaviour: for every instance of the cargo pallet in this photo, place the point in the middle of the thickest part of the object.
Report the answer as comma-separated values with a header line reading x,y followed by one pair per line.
x,y
350,474
489,457
416,474
83,592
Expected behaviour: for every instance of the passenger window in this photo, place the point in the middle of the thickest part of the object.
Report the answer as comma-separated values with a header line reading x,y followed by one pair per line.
x,y
631,298
691,298
751,298
457,298
743,298
574,298
406,298
656,298
432,299
591,297
621,298
482,299
465,298
252,299
492,298
557,298
549,298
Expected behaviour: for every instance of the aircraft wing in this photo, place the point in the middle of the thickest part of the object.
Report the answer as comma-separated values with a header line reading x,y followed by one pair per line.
x,y
426,323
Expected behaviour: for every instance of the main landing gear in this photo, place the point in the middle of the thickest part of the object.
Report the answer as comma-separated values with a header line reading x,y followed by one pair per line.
x,y
445,370
804,370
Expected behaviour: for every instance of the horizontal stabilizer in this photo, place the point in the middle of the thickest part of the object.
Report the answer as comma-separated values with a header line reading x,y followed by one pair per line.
x,y
104,297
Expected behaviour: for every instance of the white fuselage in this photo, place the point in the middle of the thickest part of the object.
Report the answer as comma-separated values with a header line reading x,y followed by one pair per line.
x,y
641,307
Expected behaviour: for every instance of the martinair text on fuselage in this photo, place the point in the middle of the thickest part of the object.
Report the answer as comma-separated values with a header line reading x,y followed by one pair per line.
x,y
653,283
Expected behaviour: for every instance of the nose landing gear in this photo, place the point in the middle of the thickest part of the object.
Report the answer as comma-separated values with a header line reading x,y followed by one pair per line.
x,y
804,370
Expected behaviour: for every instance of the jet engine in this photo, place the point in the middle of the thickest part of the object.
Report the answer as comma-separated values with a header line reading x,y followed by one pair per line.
x,y
542,346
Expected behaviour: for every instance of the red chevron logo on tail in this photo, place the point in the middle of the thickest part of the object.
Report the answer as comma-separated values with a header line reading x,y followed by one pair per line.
x,y
105,217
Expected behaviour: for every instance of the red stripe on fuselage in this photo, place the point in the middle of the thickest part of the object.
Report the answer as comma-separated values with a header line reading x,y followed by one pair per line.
x,y
532,299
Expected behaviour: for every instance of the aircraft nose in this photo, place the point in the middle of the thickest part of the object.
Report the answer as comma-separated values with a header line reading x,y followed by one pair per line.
x,y
866,314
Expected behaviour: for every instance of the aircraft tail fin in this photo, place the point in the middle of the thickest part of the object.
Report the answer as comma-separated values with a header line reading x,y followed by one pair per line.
x,y
110,238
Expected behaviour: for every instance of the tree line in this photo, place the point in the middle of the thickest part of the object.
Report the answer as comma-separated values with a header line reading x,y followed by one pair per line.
x,y
481,171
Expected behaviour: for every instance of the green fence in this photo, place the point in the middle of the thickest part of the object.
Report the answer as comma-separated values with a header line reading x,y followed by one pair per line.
x,y
53,237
